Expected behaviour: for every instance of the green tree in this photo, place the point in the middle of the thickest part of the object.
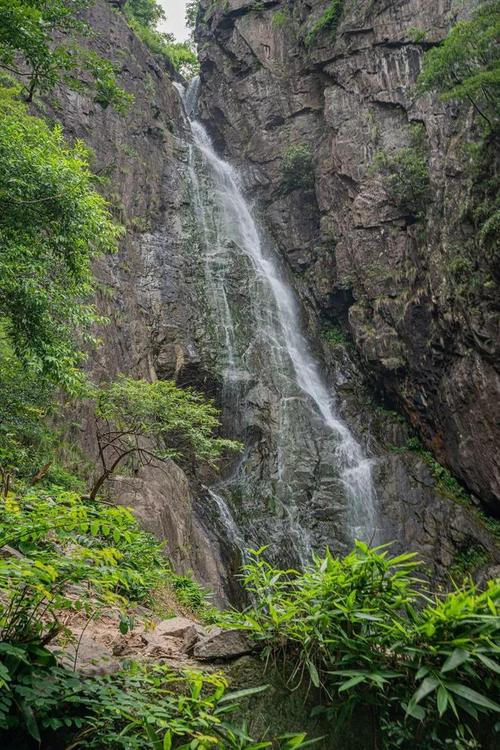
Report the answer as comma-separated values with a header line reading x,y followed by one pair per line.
x,y
467,64
154,422
28,48
146,12
53,224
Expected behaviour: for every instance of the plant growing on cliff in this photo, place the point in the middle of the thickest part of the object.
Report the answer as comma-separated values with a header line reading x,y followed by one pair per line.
x,y
330,21
297,167
143,16
466,66
53,224
365,631
154,422
37,44
406,174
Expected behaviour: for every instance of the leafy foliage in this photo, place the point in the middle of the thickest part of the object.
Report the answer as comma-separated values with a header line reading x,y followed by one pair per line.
x,y
26,441
146,12
179,422
406,174
65,555
334,335
28,29
466,65
143,17
365,631
298,167
52,225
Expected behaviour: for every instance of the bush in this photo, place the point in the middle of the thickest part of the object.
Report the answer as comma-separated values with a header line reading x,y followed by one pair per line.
x,y
297,168
38,45
154,422
365,630
406,174
62,555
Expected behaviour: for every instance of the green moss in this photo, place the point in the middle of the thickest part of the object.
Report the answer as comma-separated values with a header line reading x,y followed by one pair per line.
x,y
329,20
416,35
280,19
297,167
334,335
448,485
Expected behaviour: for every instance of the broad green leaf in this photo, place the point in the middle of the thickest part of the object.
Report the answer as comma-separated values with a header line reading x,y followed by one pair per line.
x,y
455,659
489,663
238,694
427,686
442,700
471,695
352,682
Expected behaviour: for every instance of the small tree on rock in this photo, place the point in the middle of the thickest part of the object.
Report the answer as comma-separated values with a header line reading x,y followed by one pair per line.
x,y
154,422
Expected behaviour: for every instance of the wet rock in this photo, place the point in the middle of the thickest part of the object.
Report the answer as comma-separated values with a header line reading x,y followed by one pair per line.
x,y
428,339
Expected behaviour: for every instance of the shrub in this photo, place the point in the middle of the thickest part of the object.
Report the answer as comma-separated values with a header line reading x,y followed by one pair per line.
x,y
297,167
280,19
406,174
366,631
37,44
154,422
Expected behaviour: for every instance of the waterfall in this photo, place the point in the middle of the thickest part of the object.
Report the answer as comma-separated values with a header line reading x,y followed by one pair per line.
x,y
304,481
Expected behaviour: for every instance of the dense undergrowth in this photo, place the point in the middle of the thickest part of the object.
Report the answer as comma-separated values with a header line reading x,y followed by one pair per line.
x,y
366,631
64,557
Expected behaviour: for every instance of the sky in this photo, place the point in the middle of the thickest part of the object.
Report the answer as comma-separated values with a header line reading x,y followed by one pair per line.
x,y
175,10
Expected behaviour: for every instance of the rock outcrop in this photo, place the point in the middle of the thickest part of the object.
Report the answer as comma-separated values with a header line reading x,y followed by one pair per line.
x,y
410,285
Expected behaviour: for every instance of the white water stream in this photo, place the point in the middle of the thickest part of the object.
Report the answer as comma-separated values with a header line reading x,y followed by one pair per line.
x,y
267,345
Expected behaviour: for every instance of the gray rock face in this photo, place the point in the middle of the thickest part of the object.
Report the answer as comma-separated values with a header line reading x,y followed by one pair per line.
x,y
354,257
149,290
402,286
222,644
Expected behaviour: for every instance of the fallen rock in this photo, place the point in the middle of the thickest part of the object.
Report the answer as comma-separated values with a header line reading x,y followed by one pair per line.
x,y
222,644
181,628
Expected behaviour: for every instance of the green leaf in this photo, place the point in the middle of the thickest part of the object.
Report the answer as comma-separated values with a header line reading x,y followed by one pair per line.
x,y
489,663
352,682
167,741
416,711
238,694
30,721
427,686
455,659
442,700
313,672
471,695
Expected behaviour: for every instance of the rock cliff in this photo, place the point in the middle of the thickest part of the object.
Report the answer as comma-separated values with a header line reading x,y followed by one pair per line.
x,y
407,283
357,261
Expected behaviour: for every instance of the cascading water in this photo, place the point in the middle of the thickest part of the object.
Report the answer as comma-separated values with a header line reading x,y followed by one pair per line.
x,y
303,481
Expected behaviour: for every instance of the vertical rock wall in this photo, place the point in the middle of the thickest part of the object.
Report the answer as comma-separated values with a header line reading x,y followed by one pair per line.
x,y
417,294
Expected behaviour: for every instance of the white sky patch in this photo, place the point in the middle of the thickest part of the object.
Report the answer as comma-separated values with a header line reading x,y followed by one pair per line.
x,y
175,11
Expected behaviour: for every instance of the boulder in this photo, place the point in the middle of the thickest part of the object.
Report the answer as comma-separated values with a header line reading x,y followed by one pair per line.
x,y
222,644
